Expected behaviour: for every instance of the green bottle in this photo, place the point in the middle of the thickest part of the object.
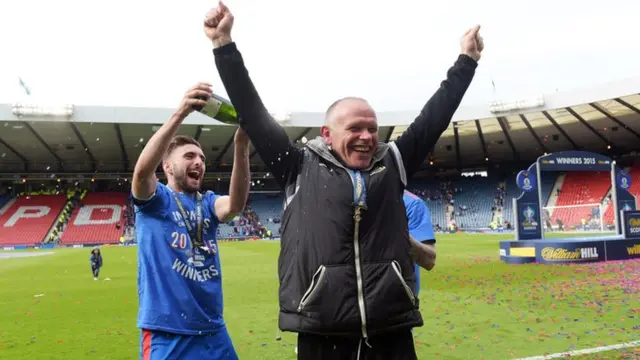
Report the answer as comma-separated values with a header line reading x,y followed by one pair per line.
x,y
219,109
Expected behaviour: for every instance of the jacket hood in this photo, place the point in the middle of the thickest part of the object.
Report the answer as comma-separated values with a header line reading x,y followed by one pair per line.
x,y
319,147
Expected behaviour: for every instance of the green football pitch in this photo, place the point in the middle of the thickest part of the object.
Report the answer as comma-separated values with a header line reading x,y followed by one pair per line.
x,y
474,306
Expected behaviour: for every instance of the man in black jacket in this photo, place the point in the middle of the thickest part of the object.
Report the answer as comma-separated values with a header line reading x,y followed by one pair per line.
x,y
346,265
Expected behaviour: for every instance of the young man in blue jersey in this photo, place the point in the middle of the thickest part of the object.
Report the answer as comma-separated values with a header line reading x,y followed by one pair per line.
x,y
420,231
179,274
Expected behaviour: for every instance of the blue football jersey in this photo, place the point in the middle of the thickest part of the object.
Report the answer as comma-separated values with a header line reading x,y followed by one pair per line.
x,y
179,285
420,225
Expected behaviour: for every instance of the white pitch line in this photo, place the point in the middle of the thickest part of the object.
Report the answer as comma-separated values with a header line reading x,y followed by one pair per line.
x,y
585,351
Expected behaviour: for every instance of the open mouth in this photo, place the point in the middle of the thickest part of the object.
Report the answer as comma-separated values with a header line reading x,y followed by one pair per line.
x,y
195,175
361,149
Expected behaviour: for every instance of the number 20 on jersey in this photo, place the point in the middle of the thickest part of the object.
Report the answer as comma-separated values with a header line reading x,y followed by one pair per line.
x,y
178,240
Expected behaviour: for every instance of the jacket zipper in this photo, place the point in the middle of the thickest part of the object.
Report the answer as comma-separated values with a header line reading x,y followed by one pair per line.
x,y
356,247
396,268
313,288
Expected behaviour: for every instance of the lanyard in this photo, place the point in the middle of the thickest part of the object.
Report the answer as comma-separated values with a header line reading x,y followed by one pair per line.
x,y
359,189
197,235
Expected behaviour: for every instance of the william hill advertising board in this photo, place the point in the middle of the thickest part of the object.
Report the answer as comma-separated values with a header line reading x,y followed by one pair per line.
x,y
587,251
623,249
568,252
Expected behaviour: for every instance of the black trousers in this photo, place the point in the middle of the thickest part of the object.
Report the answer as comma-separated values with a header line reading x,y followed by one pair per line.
x,y
95,271
390,346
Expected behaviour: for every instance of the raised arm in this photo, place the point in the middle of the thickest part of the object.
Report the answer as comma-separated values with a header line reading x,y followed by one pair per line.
x,y
268,137
144,180
434,118
227,207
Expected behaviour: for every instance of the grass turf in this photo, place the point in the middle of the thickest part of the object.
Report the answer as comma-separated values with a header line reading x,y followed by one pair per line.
x,y
474,306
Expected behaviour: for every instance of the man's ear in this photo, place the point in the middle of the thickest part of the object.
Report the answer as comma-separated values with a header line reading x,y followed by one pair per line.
x,y
166,166
325,132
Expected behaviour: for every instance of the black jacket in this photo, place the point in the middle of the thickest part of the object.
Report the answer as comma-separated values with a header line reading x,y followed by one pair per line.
x,y
344,266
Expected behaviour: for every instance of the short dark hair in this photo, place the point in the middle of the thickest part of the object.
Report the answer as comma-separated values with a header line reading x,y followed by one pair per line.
x,y
179,141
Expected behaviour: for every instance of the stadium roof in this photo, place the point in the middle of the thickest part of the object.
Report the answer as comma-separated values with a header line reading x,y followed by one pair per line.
x,y
94,139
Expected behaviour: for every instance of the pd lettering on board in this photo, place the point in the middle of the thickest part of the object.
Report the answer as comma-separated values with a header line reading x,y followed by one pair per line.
x,y
85,215
27,212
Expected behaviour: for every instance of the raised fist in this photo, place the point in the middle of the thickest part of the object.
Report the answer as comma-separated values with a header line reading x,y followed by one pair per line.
x,y
218,24
471,43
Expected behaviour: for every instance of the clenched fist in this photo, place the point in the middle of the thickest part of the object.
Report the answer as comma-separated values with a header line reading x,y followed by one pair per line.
x,y
472,43
218,24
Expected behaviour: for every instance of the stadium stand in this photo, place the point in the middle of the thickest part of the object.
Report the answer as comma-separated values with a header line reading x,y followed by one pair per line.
x,y
479,141
576,191
268,209
260,219
474,201
511,191
98,218
433,193
437,209
73,196
4,199
30,218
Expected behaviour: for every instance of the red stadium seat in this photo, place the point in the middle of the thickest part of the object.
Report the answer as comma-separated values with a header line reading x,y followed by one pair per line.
x,y
29,219
98,218
580,188
608,215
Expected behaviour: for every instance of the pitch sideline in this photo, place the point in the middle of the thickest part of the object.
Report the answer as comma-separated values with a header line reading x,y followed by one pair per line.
x,y
15,255
584,351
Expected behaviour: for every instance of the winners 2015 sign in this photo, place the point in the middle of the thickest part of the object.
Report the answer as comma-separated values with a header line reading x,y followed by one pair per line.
x,y
574,161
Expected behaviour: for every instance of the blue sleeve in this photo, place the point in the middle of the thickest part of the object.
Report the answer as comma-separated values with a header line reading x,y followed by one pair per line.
x,y
157,203
419,217
210,198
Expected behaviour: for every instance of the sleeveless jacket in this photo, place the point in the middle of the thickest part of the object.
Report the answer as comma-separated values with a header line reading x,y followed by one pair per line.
x,y
344,266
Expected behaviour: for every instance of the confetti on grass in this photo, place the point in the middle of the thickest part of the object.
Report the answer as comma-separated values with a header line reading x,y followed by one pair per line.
x,y
550,304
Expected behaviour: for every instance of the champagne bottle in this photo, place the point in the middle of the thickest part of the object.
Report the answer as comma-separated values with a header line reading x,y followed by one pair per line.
x,y
220,109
